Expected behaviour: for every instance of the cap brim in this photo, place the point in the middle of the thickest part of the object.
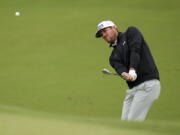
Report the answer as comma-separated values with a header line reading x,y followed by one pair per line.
x,y
98,34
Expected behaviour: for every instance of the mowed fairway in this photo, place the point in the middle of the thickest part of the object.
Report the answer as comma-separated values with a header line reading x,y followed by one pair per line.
x,y
50,67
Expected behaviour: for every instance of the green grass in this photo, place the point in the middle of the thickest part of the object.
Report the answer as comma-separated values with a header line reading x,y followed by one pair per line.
x,y
27,125
22,121
51,63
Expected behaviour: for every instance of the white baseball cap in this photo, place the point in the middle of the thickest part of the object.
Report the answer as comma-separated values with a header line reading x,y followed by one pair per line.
x,y
102,25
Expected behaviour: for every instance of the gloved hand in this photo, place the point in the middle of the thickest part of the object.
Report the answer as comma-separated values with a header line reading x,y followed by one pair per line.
x,y
132,72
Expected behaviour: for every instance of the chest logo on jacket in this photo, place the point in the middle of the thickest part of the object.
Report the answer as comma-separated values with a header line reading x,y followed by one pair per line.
x,y
124,43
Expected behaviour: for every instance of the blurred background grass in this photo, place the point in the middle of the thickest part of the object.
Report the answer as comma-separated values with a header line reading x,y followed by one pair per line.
x,y
51,62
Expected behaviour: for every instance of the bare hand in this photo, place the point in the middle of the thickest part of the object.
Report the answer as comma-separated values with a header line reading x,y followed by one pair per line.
x,y
127,76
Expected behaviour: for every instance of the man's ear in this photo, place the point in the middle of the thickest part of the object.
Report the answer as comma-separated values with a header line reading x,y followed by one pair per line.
x,y
116,28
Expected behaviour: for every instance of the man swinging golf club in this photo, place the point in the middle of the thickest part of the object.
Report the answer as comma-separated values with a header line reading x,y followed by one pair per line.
x,y
132,60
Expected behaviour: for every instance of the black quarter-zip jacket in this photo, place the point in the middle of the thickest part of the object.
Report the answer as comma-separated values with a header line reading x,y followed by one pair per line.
x,y
131,50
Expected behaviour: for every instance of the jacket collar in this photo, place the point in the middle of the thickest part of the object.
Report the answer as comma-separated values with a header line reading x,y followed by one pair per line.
x,y
118,39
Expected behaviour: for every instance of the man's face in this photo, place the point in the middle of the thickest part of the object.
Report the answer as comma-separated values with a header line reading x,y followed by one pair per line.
x,y
109,34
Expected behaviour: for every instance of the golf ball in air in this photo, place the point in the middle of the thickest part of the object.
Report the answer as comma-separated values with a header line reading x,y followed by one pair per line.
x,y
17,13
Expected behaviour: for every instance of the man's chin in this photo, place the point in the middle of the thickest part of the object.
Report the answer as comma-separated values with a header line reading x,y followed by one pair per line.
x,y
110,42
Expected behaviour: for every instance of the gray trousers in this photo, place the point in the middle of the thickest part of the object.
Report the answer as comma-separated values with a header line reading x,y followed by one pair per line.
x,y
139,100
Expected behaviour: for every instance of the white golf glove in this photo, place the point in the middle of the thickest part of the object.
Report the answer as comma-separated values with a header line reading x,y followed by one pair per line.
x,y
133,74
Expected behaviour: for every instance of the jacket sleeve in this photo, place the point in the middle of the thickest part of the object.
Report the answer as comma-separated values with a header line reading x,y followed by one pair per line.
x,y
135,44
117,64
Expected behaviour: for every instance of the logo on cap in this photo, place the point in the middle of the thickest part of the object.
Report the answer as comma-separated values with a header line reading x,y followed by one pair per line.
x,y
101,26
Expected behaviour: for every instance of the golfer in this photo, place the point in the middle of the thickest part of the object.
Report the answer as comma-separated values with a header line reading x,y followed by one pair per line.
x,y
133,61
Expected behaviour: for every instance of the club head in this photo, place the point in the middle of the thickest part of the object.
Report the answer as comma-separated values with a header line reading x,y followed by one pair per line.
x,y
106,71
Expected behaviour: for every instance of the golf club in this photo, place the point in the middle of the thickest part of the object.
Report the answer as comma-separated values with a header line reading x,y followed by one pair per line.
x,y
106,71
